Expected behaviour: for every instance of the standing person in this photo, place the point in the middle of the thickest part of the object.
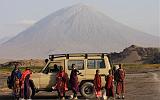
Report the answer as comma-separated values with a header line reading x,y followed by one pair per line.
x,y
74,81
109,85
61,83
56,68
15,81
97,84
120,82
25,86
115,73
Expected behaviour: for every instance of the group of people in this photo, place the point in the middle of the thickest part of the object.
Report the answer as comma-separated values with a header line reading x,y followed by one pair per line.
x,y
115,77
21,86
20,83
62,82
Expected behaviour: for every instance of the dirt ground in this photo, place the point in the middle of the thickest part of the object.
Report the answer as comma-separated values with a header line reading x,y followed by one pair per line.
x,y
143,86
140,85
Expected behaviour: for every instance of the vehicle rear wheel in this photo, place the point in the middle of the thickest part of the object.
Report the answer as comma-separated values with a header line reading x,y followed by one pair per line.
x,y
87,90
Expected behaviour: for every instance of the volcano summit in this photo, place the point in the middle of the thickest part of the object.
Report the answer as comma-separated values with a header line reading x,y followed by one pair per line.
x,y
79,28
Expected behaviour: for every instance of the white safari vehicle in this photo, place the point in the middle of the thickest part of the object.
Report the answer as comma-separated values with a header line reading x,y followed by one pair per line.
x,y
86,63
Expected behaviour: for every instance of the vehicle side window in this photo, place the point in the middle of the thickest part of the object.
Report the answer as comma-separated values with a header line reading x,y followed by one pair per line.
x,y
100,63
91,64
52,68
95,63
79,64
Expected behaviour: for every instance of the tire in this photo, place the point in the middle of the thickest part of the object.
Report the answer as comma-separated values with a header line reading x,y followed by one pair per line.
x,y
87,90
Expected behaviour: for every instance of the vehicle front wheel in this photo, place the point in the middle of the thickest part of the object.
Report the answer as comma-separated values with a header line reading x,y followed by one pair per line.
x,y
87,90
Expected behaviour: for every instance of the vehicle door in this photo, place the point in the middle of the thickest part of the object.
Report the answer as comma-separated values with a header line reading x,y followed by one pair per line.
x,y
93,65
79,65
48,76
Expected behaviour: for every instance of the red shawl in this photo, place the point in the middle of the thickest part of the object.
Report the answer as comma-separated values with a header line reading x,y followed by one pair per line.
x,y
97,82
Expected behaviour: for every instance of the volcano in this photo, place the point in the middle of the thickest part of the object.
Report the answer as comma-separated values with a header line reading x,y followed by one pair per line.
x,y
75,29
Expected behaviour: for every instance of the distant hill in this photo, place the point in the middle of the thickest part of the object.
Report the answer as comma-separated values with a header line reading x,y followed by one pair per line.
x,y
2,61
136,54
132,55
75,29
30,62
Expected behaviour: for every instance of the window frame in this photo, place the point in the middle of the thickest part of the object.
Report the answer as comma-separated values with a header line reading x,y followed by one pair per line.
x,y
95,64
75,63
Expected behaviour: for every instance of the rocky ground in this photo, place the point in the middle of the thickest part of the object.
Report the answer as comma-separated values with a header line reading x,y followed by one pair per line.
x,y
140,85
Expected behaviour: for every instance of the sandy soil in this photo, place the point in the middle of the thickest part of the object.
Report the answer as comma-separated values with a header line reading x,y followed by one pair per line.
x,y
142,85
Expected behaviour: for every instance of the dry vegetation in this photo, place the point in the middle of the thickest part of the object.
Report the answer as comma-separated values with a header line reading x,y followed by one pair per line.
x,y
141,68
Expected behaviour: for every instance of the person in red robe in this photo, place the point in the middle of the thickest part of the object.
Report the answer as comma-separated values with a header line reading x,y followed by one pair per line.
x,y
61,83
97,84
109,85
25,86
120,82
74,81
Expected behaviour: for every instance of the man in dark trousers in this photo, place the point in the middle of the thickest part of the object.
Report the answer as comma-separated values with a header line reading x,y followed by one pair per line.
x,y
120,82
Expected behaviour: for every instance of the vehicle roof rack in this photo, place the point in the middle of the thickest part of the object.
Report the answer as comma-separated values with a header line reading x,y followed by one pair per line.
x,y
86,55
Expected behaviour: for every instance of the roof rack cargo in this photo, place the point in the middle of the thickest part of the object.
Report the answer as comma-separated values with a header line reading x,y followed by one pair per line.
x,y
86,55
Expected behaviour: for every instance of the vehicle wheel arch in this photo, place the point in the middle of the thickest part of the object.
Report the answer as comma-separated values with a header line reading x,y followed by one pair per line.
x,y
84,81
84,85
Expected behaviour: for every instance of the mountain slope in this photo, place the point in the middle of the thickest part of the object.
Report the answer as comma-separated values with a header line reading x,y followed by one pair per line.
x,y
79,28
136,54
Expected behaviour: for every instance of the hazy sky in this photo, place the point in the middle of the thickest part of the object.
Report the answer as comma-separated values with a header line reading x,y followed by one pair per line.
x,y
17,15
